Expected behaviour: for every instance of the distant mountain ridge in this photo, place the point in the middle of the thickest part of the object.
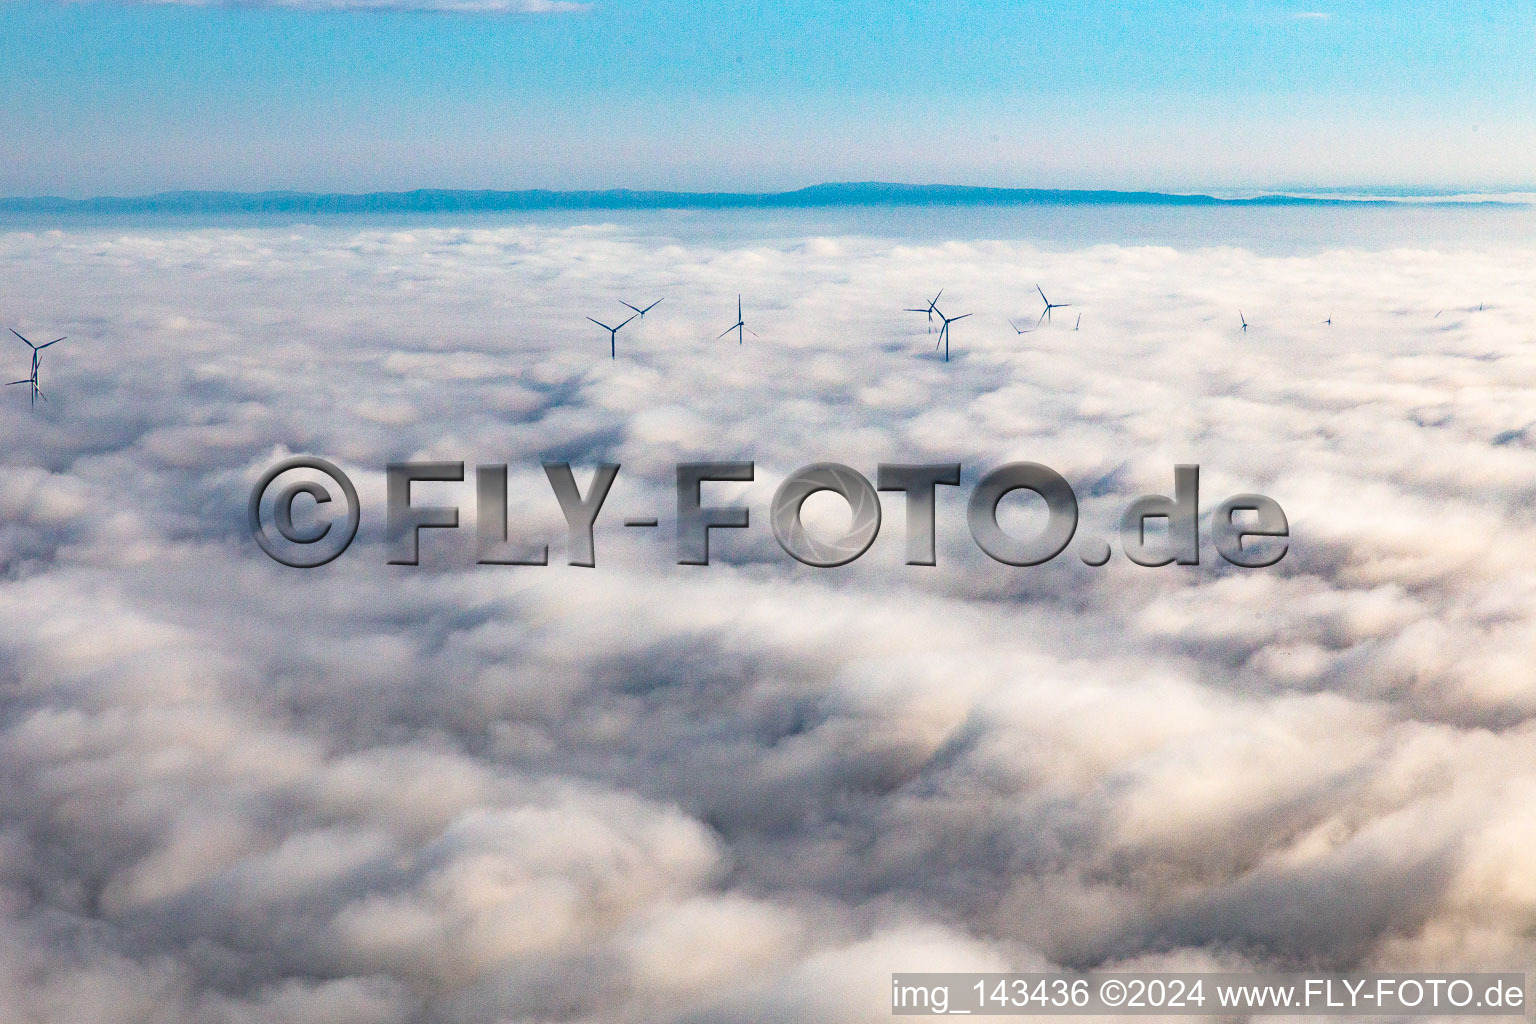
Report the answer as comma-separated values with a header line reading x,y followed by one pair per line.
x,y
844,194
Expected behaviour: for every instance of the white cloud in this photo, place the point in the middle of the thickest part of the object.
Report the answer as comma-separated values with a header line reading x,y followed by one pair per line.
x,y
642,792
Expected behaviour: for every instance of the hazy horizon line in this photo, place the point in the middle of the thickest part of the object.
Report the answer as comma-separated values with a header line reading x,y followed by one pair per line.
x,y
867,193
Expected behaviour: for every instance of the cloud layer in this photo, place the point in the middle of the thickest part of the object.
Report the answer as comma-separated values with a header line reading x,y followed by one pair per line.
x,y
646,792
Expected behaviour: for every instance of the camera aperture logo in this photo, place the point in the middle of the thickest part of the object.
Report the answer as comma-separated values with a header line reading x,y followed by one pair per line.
x,y
1247,530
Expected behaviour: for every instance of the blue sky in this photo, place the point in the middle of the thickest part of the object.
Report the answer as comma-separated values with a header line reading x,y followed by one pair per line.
x,y
130,97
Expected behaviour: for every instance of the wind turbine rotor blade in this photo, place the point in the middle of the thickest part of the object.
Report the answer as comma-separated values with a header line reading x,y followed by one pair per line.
x,y
723,333
623,303
28,343
962,316
27,381
653,305
620,327
601,324
750,331
55,341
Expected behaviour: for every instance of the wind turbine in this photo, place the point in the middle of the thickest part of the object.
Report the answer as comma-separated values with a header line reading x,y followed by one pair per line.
x,y
641,312
944,331
1244,321
1020,330
37,359
613,336
1049,305
1329,321
1079,325
739,326
932,308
